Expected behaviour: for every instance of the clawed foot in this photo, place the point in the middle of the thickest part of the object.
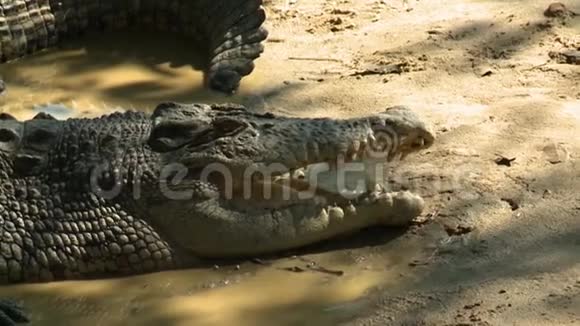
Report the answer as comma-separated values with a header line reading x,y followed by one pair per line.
x,y
12,313
389,208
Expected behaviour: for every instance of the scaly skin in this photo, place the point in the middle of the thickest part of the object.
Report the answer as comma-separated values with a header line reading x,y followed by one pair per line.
x,y
131,193
229,30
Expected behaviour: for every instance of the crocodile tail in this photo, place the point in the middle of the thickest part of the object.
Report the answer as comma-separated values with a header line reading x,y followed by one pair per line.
x,y
235,42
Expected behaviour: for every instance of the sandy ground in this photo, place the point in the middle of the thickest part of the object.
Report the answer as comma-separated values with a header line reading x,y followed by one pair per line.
x,y
500,240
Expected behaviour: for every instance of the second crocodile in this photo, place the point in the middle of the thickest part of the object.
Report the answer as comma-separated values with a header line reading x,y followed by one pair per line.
x,y
229,31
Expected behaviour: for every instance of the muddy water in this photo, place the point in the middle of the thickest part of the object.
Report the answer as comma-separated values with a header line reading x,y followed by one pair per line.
x,y
102,74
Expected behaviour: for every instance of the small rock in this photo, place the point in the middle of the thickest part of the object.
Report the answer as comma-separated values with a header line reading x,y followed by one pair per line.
x,y
466,152
556,153
504,161
558,9
337,11
434,32
335,21
512,202
458,230
567,57
485,71
471,306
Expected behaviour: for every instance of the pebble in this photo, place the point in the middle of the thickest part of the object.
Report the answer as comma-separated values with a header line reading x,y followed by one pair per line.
x,y
555,153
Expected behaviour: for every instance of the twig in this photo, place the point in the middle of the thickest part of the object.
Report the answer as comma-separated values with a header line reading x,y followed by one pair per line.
x,y
313,59
535,67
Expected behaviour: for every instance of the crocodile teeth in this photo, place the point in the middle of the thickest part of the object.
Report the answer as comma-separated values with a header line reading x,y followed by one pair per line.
x,y
350,209
281,177
362,149
372,141
355,146
335,213
354,150
373,196
298,174
385,199
323,214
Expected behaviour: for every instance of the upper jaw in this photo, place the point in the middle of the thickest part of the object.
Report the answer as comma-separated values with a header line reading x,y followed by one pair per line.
x,y
383,137
363,145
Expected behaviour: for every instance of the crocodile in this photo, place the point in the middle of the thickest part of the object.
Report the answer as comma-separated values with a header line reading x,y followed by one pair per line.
x,y
230,32
134,192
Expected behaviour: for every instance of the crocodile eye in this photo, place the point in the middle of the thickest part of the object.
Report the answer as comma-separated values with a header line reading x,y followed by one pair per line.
x,y
8,135
171,135
226,126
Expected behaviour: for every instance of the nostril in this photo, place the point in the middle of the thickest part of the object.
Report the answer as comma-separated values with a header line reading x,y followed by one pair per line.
x,y
419,143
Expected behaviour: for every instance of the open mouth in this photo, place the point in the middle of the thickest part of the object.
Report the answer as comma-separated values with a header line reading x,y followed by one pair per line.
x,y
354,178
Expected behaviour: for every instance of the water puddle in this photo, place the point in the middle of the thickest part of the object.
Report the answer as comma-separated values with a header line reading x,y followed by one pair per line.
x,y
104,73
246,294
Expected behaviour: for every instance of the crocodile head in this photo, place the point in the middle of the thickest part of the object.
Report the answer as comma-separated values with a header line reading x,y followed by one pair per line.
x,y
246,164
245,145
